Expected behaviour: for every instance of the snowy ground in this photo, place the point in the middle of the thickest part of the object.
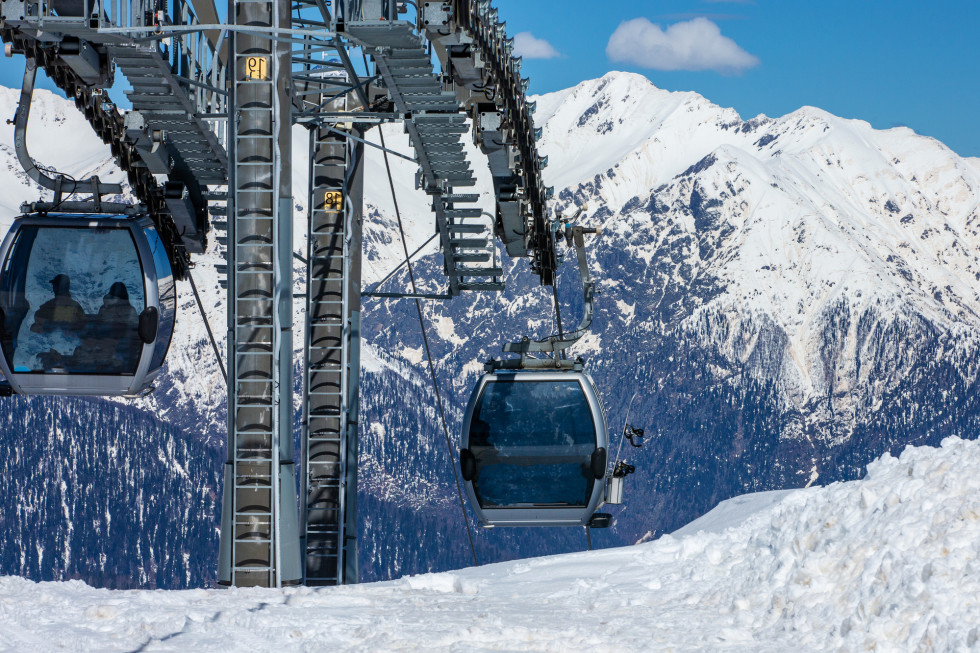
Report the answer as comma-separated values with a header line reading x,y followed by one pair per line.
x,y
889,563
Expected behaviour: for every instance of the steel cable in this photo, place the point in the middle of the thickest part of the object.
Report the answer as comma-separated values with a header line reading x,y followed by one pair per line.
x,y
207,325
428,353
554,294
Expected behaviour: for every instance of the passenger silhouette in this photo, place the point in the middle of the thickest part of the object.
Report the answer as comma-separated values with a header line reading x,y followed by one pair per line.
x,y
116,311
112,344
121,322
61,312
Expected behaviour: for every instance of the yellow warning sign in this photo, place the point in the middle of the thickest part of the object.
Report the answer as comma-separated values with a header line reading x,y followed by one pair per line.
x,y
333,200
257,68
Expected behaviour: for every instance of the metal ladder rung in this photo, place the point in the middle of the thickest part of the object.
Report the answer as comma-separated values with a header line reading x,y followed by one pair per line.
x,y
480,272
475,243
467,228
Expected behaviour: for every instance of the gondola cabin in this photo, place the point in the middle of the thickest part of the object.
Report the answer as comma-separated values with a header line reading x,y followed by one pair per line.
x,y
87,304
534,449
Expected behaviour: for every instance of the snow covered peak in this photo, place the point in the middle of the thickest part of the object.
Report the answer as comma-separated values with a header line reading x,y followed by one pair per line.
x,y
594,125
783,221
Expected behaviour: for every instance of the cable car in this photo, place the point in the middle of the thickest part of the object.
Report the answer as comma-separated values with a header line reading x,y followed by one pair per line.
x,y
534,448
87,304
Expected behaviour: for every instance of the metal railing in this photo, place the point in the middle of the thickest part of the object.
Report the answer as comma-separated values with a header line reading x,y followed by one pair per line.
x,y
194,56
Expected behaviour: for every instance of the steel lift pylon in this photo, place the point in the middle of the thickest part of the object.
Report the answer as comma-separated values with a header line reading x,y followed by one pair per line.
x,y
267,538
259,526
332,360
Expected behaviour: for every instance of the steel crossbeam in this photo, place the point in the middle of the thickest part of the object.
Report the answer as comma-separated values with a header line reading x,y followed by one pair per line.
x,y
260,521
434,128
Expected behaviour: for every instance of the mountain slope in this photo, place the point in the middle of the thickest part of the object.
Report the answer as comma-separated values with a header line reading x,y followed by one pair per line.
x,y
787,220
788,297
887,563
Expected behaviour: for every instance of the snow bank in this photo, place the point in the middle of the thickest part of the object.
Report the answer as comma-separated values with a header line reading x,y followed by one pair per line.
x,y
888,563
733,512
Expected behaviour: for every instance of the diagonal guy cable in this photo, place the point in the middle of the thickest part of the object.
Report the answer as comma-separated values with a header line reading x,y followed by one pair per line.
x,y
428,354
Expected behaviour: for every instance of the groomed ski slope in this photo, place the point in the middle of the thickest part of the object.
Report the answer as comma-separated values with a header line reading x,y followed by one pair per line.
x,y
889,563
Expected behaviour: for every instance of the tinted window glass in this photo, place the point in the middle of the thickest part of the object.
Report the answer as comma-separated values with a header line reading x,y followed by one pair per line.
x,y
168,297
71,297
533,441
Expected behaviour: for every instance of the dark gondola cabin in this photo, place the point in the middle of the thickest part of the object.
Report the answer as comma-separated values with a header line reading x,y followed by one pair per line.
x,y
534,449
87,304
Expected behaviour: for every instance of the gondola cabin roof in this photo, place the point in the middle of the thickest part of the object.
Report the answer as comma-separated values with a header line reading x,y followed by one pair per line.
x,y
534,449
87,304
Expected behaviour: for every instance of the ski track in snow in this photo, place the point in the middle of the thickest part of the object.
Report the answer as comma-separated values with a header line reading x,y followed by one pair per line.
x,y
886,563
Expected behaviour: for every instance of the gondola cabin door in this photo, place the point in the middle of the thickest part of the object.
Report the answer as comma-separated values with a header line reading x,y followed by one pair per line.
x,y
534,449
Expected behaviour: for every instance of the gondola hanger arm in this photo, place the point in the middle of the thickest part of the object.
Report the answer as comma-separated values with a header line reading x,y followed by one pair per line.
x,y
23,155
575,236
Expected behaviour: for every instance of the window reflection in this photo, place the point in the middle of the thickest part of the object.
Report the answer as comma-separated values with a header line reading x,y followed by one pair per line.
x,y
533,441
71,299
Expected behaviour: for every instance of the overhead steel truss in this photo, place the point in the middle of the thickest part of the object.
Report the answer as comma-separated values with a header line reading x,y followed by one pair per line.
x,y
208,135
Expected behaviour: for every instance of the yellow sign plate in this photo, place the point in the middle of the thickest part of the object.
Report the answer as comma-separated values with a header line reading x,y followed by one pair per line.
x,y
257,68
333,200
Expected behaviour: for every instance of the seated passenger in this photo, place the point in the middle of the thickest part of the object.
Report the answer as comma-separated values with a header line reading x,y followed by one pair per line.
x,y
123,322
116,310
111,343
62,312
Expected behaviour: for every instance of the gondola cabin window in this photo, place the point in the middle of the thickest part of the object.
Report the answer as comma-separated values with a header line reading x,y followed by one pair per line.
x,y
533,444
72,299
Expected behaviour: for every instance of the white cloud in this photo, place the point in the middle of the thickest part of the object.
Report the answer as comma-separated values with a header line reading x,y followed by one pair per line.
x,y
695,44
529,47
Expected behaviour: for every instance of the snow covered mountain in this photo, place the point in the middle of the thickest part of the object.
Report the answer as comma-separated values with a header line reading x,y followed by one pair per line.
x,y
886,563
788,298
808,228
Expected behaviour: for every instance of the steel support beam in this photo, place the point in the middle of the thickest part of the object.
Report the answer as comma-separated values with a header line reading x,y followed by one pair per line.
x,y
332,357
260,525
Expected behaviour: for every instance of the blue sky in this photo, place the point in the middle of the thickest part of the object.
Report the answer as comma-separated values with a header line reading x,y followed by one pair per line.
x,y
891,63
894,62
